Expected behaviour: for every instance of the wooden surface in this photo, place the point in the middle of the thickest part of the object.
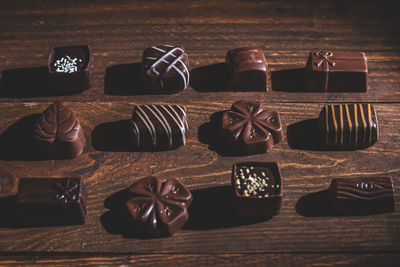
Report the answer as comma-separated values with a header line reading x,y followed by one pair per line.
x,y
304,233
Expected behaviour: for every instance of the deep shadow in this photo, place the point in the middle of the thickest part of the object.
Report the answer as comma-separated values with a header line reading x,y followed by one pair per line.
x,y
124,79
212,209
208,133
116,221
16,140
314,205
290,80
210,78
25,82
304,135
7,207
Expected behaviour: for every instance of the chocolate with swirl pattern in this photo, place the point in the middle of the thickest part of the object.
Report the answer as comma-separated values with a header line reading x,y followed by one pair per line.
x,y
58,133
354,196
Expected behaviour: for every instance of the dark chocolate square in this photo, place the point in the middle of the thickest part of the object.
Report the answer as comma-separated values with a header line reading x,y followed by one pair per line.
x,y
247,69
165,69
329,71
70,69
51,201
257,189
349,126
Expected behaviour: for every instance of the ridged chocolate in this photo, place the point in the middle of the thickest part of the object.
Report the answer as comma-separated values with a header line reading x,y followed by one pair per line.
x,y
165,69
247,69
158,208
329,71
362,195
349,125
248,128
58,133
51,201
159,126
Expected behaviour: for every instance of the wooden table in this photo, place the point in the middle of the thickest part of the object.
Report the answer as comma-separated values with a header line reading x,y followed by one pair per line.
x,y
118,33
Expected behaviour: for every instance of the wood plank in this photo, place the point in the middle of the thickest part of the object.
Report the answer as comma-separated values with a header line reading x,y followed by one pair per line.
x,y
284,259
286,32
207,173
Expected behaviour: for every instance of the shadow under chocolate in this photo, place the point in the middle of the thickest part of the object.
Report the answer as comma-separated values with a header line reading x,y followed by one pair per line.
x,y
210,78
7,207
289,80
212,209
124,80
16,140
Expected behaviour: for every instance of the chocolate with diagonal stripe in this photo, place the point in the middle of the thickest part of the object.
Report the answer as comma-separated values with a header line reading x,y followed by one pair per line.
x,y
165,69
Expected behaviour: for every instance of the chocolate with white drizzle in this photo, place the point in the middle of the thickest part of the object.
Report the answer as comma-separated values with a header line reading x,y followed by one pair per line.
x,y
352,196
257,189
165,69
159,126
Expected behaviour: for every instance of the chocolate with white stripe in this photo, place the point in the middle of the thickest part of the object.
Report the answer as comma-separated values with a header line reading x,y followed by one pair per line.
x,y
362,195
159,126
165,69
349,125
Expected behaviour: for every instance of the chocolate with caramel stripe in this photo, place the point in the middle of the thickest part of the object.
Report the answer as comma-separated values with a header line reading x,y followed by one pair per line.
x,y
349,125
362,195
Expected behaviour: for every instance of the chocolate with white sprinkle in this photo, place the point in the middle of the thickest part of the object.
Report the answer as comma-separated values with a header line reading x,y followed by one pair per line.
x,y
257,189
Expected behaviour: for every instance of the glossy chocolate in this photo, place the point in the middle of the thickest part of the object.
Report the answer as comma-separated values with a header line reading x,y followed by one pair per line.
x,y
257,189
329,71
159,126
349,125
58,133
51,201
165,69
247,68
70,69
8,184
158,208
351,196
248,128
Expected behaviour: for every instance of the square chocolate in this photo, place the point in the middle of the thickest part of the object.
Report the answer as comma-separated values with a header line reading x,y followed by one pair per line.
x,y
349,126
165,69
364,195
257,189
328,71
247,69
51,201
70,69
159,126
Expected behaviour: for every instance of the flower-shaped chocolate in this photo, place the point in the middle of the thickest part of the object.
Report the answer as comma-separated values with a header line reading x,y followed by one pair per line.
x,y
250,129
159,208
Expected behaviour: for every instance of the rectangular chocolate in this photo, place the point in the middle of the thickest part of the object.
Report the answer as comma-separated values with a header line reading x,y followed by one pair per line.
x,y
257,189
159,126
329,71
51,201
70,69
247,69
349,125
353,196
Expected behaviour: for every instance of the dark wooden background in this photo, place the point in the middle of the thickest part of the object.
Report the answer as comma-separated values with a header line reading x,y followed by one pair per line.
x,y
303,234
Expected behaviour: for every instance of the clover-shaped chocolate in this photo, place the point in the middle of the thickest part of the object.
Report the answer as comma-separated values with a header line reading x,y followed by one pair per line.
x,y
250,129
159,208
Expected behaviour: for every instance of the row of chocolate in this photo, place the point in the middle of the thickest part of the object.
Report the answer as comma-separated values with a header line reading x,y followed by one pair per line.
x,y
160,209
247,128
165,69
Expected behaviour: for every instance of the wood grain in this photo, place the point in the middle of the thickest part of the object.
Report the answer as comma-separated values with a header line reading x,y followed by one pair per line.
x,y
207,173
304,233
283,259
